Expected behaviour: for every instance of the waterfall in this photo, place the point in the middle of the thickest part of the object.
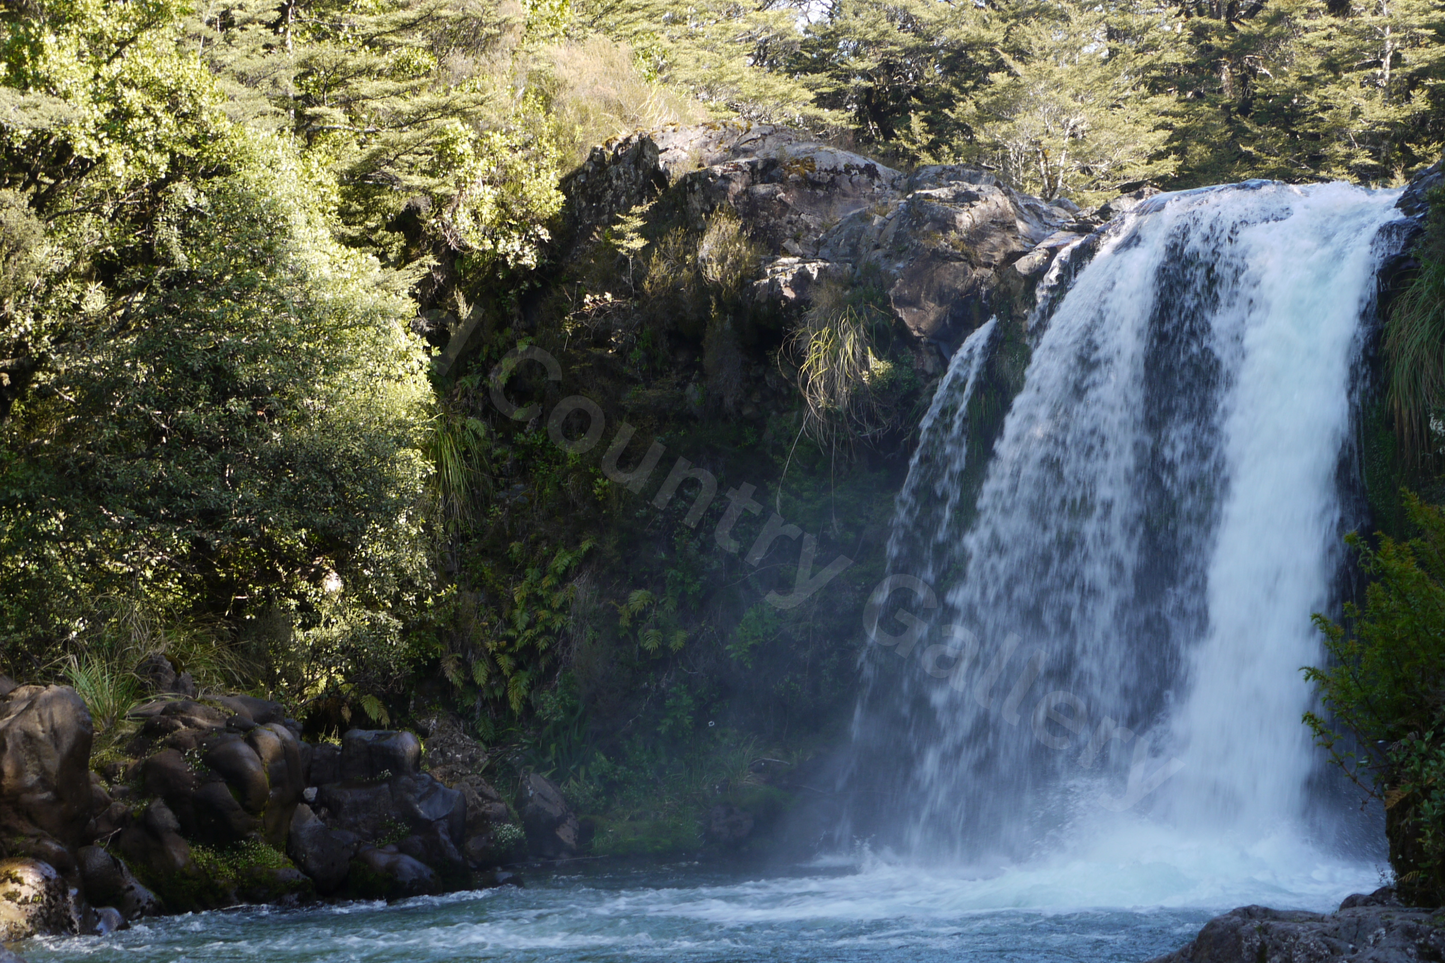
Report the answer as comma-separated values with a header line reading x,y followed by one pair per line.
x,y
1110,583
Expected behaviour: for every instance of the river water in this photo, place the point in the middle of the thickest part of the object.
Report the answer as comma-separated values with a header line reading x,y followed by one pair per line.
x,y
1077,909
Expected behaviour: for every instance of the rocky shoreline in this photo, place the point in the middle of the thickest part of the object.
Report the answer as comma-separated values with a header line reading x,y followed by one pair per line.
x,y
1372,928
218,800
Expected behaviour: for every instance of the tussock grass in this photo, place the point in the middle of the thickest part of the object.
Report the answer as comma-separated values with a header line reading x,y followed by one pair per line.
x,y
841,379
1415,344
108,690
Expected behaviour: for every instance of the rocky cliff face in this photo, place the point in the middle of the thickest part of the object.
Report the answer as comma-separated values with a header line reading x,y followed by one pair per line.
x,y
950,245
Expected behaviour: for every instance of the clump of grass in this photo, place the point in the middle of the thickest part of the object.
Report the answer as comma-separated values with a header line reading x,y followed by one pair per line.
x,y
457,444
109,692
841,378
1415,343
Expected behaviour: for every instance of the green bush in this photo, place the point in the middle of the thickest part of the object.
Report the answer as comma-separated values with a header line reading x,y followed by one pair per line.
x,y
1385,690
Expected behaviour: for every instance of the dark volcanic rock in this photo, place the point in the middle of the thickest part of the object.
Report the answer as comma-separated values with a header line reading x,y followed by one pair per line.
x,y
938,239
325,765
550,826
161,676
323,853
387,874
368,754
45,737
1365,930
107,881
239,765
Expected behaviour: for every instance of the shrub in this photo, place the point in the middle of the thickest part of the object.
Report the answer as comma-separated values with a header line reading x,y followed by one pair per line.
x,y
1385,690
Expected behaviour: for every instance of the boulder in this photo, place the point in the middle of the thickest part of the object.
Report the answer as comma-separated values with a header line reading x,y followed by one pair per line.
x,y
108,920
281,756
193,715
422,802
551,828
237,763
939,245
107,881
1361,933
168,775
220,819
325,765
369,755
322,853
154,843
251,709
34,901
45,738
386,873
435,847
1415,199
361,808
496,847
451,754
372,810
160,675
485,807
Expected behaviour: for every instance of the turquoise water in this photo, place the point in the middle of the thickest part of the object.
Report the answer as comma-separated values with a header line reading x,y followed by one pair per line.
x,y
889,914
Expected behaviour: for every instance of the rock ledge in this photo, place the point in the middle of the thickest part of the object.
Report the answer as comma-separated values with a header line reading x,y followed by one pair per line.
x,y
1366,929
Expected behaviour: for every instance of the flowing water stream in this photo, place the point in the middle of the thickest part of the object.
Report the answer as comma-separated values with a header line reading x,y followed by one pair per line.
x,y
1093,741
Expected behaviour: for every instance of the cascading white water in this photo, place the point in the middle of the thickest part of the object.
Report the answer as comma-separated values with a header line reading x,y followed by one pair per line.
x,y
1125,588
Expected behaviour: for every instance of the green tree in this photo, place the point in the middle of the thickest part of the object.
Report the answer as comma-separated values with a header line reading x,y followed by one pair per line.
x,y
895,68
240,442
1070,113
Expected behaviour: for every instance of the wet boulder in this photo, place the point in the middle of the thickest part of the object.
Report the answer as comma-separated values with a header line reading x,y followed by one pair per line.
x,y
551,828
374,810
34,901
434,846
